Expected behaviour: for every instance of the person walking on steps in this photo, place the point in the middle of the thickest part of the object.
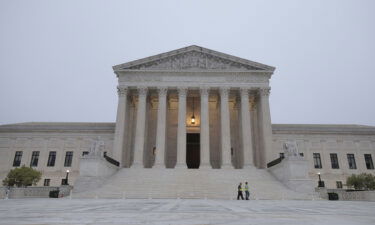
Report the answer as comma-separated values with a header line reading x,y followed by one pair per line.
x,y
247,193
239,188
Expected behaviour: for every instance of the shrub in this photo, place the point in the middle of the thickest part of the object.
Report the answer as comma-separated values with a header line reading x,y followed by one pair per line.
x,y
363,181
22,177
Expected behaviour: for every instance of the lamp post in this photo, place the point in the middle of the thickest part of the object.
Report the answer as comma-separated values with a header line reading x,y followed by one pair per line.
x,y
320,182
66,178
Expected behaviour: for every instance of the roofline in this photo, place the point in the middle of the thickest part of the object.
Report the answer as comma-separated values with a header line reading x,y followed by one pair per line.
x,y
192,48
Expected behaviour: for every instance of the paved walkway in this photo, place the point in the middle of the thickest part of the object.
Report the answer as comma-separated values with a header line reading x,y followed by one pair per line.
x,y
119,211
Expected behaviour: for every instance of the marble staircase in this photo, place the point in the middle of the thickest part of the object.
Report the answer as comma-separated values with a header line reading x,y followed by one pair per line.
x,y
190,183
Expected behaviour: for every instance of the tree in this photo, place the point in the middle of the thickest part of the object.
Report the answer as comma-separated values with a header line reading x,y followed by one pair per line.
x,y
22,177
363,181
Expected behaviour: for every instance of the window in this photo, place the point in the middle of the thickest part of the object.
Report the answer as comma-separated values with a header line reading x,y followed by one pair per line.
x,y
46,182
68,159
317,161
34,158
301,154
17,158
85,153
351,161
339,184
51,159
368,160
334,161
281,155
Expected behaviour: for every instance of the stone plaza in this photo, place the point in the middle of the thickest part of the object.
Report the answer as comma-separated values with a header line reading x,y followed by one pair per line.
x,y
183,212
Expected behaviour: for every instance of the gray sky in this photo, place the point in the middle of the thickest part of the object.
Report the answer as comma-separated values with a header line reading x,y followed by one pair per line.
x,y
56,56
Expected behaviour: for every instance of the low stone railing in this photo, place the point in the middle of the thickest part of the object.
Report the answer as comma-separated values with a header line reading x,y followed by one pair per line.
x,y
33,192
348,195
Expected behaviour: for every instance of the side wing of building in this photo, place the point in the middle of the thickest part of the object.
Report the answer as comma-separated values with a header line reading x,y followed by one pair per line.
x,y
52,148
336,151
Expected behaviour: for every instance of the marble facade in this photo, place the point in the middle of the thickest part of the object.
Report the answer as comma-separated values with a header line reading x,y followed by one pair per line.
x,y
157,98
233,92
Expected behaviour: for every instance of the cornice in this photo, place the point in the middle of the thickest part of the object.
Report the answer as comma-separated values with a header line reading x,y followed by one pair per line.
x,y
322,129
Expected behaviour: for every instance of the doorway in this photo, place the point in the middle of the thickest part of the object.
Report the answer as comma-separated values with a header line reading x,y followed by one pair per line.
x,y
193,150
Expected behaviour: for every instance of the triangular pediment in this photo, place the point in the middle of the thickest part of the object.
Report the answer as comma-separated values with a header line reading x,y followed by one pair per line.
x,y
193,58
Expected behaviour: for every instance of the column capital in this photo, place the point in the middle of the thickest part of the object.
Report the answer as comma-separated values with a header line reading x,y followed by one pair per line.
x,y
182,91
264,91
142,91
162,91
204,91
224,91
122,91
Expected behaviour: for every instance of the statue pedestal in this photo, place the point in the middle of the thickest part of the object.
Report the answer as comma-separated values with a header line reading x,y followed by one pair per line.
x,y
293,173
93,172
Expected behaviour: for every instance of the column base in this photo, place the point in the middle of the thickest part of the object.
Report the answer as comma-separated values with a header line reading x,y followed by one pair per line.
x,y
226,166
205,167
248,166
137,166
159,166
181,166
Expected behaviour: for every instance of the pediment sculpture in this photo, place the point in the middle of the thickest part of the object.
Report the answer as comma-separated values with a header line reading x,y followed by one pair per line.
x,y
193,60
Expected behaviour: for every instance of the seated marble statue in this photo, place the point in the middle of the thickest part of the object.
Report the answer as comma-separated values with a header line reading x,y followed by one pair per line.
x,y
291,150
96,148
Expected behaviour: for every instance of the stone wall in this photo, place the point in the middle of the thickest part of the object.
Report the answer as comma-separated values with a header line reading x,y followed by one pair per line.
x,y
34,192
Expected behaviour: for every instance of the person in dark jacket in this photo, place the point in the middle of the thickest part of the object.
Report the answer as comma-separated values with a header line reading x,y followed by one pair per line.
x,y
239,188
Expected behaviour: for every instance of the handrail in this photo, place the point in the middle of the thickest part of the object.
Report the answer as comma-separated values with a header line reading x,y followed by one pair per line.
x,y
275,162
112,161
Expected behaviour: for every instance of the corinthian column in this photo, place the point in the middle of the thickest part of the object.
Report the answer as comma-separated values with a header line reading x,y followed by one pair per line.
x,y
160,132
225,129
205,129
140,128
181,130
246,129
119,140
265,127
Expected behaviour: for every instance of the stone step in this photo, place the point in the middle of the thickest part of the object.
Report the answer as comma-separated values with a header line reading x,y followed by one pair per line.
x,y
186,183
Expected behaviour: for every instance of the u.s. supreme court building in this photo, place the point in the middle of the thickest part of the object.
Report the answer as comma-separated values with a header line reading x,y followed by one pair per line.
x,y
192,122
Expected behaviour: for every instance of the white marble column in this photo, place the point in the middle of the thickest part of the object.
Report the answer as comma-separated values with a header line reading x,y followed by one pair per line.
x,y
254,130
205,129
265,127
225,129
140,128
160,132
120,131
246,129
181,130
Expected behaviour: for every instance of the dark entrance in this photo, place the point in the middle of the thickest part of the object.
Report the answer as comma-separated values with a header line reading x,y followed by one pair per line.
x,y
193,150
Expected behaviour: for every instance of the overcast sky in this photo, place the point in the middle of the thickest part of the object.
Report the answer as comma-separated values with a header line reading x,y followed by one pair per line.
x,y
56,57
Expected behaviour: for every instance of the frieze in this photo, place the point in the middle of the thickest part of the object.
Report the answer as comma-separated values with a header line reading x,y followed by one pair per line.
x,y
129,79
